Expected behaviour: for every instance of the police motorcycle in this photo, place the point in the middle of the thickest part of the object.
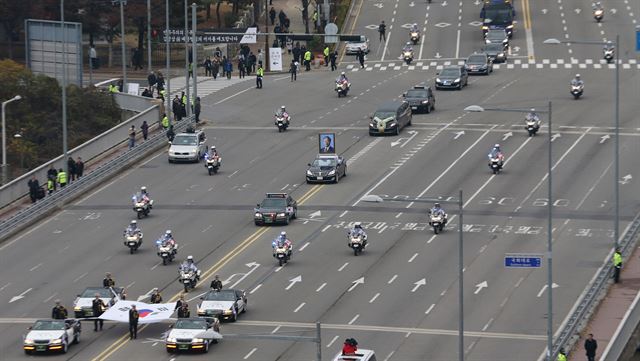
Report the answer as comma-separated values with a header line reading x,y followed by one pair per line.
x,y
142,204
496,159
532,123
133,237
167,248
598,12
212,162
282,119
608,53
407,54
437,219
342,86
414,34
188,276
282,248
577,87
357,239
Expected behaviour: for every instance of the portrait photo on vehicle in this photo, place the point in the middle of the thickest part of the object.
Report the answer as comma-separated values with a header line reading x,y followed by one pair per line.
x,y
326,143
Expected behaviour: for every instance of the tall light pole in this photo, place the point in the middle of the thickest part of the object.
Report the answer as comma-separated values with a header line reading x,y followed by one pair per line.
x,y
460,202
149,35
477,108
124,58
186,57
616,137
194,52
4,139
65,146
167,50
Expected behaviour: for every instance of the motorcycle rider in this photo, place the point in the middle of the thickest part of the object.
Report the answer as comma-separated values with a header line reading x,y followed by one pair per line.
x,y
437,210
282,113
608,47
281,241
577,81
597,6
408,48
533,116
414,29
212,153
132,229
358,231
496,152
189,265
343,77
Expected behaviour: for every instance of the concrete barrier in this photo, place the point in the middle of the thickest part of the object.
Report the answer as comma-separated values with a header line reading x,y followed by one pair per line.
x,y
90,150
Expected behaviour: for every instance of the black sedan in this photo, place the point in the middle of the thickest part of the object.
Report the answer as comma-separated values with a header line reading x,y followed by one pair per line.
x,y
452,77
479,64
326,168
420,98
275,208
496,52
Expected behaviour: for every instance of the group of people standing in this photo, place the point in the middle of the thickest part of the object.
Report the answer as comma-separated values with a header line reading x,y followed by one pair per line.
x,y
56,178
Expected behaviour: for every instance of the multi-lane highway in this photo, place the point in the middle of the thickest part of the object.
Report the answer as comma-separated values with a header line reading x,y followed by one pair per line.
x,y
399,297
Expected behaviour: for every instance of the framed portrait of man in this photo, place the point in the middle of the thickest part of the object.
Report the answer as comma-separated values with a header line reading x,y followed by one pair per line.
x,y
327,143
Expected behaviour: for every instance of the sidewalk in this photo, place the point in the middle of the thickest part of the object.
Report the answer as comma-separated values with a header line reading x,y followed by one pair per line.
x,y
609,314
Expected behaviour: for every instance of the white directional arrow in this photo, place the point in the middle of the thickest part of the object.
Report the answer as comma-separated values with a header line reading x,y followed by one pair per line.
x,y
544,11
577,11
294,281
613,11
253,265
626,179
604,138
555,136
20,296
378,5
480,286
422,282
356,283
506,136
444,3
396,142
516,49
458,134
412,4
544,288
404,141
315,214
438,56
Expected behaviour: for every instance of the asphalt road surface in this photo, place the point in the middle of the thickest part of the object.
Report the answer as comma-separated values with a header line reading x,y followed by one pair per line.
x,y
405,308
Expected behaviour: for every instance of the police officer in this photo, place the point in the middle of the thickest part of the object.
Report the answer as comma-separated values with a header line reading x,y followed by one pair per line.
x,y
134,316
62,178
108,282
179,302
259,75
183,311
216,284
165,121
617,265
307,60
562,356
155,296
98,306
59,312
326,55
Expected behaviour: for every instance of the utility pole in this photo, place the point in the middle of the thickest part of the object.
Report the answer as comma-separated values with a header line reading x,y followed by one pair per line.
x,y
186,57
124,57
266,38
149,35
167,50
194,42
65,150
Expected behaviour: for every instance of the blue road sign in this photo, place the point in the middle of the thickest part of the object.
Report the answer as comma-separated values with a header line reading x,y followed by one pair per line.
x,y
638,39
523,261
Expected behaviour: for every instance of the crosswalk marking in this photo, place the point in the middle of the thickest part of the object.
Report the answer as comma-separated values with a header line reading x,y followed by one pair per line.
x,y
206,85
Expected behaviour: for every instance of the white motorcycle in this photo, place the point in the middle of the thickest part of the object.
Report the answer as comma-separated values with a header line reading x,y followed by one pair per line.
x,y
342,87
282,120
415,36
188,278
495,164
408,56
357,242
213,164
437,221
598,14
133,241
577,90
282,254
532,126
142,208
166,251
608,55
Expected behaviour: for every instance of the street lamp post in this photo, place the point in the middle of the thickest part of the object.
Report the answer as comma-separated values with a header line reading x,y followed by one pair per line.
x,y
616,140
186,57
149,35
194,52
4,139
65,146
477,108
460,202
167,50
122,45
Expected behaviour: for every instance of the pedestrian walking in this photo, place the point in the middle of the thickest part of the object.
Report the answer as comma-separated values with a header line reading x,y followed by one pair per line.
x,y
155,296
207,66
145,130
562,356
196,109
59,312
170,133
176,108
296,52
62,178
590,346
52,174
159,82
333,58
228,69
289,45
215,68
183,311
71,165
98,307
152,80
224,65
93,57
132,137
326,53
134,316
281,16
252,63
183,105
79,167
360,57
272,15
241,71
34,186
165,121
51,186
617,265
293,69
382,29
259,75
260,57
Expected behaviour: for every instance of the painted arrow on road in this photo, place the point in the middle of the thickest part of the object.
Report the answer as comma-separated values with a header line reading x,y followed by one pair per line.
x,y
544,11
544,288
604,138
476,3
516,49
444,3
315,214
404,141
355,284
20,296
613,11
480,286
422,282
437,56
378,5
626,179
294,281
412,4
555,136
253,265
506,136
458,134
577,11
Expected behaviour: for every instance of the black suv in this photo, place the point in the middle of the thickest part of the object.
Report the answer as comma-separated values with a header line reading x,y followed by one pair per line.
x,y
390,118
452,77
479,63
275,208
420,98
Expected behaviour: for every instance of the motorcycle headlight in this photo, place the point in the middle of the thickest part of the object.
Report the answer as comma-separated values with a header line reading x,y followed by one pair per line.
x,y
392,124
258,214
171,339
487,41
457,80
28,341
197,340
56,340
501,55
332,172
484,27
309,173
281,214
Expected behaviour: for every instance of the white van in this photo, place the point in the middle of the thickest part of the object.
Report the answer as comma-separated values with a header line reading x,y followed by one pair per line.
x,y
360,355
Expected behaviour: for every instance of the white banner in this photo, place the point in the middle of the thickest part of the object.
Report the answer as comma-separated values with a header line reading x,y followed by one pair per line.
x,y
149,312
275,59
249,39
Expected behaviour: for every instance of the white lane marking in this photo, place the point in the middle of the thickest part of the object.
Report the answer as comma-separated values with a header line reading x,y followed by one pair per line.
x,y
340,216
232,174
504,302
382,229
374,297
398,215
354,319
79,277
431,239
276,329
482,248
486,326
458,44
443,293
232,96
343,266
386,43
285,187
389,356
256,288
321,287
299,307
278,269
540,293
519,282
392,279
326,227
304,246
156,265
424,33
35,267
412,258
251,352
50,297
130,284
429,309
208,228
332,341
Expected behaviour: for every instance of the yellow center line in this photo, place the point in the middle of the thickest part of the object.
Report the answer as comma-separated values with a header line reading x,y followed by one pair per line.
x,y
106,353
526,14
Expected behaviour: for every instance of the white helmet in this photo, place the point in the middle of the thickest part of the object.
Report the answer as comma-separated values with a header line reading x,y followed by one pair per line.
x,y
282,107
357,225
342,73
213,147
496,145
533,110
168,232
408,43
190,258
577,76
134,222
283,233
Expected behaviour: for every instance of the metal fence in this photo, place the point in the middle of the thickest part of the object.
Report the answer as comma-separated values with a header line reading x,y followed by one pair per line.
x,y
569,333
32,214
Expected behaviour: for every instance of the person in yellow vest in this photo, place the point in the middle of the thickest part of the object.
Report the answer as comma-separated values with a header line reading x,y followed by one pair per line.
x,y
314,18
562,356
62,178
161,94
51,185
326,55
113,88
259,75
165,121
307,60
617,265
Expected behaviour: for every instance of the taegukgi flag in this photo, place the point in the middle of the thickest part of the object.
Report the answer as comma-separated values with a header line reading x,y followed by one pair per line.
x,y
149,312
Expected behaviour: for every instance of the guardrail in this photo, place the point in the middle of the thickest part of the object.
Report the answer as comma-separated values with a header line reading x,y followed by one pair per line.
x,y
50,203
568,334
623,333
89,150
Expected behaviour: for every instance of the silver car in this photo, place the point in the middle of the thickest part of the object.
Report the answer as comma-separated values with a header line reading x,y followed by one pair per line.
x,y
189,147
353,46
